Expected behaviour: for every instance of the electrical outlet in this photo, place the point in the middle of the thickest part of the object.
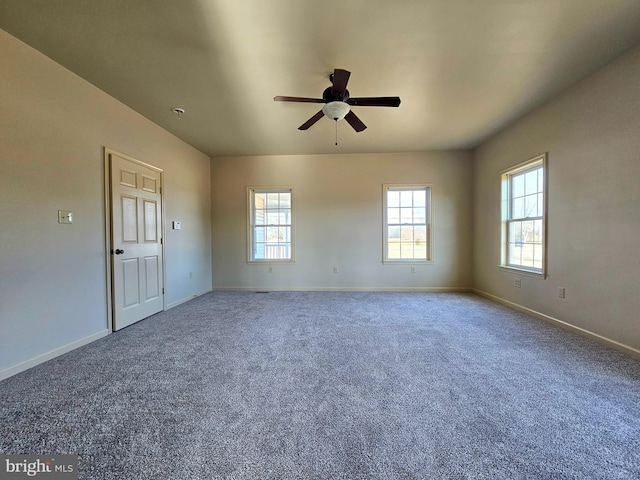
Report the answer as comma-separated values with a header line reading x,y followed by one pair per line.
x,y
65,216
517,282
561,292
335,269
190,274
413,269
270,269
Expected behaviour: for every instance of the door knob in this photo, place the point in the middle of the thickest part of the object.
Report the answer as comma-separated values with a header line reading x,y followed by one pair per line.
x,y
119,251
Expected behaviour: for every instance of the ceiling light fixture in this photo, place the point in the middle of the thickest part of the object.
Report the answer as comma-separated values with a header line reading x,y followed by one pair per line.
x,y
180,111
336,110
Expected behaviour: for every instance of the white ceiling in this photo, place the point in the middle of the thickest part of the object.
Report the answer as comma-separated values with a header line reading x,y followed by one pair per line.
x,y
463,68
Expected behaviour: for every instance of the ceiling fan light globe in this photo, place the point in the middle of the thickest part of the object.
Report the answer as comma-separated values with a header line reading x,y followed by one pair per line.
x,y
336,110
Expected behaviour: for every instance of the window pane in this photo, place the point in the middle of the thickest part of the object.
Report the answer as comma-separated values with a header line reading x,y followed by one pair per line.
x,y
531,182
406,215
517,185
393,245
406,198
259,234
406,234
515,254
419,215
272,217
537,256
527,255
393,198
420,250
273,200
260,200
537,231
393,215
259,251
272,234
419,198
285,200
515,232
285,234
527,231
406,250
284,217
517,208
259,217
531,206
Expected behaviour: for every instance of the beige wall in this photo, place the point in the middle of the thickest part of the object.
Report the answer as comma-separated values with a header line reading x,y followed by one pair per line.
x,y
338,210
592,134
53,128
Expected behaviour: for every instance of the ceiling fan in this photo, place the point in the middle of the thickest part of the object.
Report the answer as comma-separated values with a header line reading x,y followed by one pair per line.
x,y
338,103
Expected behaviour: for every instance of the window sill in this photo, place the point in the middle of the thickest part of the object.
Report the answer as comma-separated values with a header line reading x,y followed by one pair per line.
x,y
523,271
270,262
407,262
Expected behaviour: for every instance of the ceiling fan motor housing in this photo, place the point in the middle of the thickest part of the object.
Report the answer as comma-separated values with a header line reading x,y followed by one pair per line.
x,y
330,96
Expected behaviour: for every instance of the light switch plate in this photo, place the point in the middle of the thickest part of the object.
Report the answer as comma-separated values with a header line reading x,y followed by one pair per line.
x,y
65,216
177,225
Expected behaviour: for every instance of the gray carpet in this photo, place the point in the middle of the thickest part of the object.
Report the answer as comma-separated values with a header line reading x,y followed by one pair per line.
x,y
333,385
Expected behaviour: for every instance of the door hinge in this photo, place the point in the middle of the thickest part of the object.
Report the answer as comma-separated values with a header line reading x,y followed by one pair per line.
x,y
163,290
161,241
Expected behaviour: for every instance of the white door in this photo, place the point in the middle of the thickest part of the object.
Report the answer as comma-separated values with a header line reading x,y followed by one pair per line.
x,y
136,241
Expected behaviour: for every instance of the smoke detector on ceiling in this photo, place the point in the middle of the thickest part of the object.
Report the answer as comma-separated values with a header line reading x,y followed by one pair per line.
x,y
178,111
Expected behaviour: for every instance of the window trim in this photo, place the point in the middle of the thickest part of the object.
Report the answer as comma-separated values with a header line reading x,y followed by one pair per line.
x,y
535,162
428,187
250,225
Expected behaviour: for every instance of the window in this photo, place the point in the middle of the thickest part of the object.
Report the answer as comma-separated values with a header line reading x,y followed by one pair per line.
x,y
270,225
524,216
406,223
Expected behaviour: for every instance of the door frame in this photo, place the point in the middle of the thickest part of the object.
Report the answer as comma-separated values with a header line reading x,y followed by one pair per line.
x,y
108,220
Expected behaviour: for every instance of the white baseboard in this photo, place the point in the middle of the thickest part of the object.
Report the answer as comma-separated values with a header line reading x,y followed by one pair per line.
x,y
185,299
27,364
346,289
607,342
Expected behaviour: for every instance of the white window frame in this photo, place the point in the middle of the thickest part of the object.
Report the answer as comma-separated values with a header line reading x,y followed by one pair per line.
x,y
251,223
508,219
428,223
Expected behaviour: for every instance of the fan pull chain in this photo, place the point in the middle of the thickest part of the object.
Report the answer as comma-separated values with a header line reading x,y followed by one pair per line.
x,y
336,132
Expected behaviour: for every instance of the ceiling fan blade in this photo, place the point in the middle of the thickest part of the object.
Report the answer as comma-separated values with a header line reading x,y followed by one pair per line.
x,y
311,121
340,79
375,101
355,122
299,99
